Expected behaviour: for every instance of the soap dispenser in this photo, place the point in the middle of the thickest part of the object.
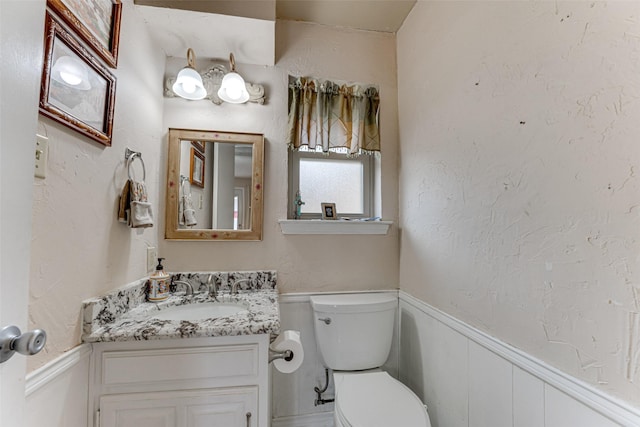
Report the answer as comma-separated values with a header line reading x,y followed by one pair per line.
x,y
158,284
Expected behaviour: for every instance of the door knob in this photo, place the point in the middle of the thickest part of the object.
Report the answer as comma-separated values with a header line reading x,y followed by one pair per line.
x,y
12,340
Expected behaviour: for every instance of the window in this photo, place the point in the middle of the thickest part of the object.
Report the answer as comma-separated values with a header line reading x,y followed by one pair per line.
x,y
333,134
333,178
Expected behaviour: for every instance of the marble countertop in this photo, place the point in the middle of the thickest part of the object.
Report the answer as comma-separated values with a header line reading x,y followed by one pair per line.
x,y
124,315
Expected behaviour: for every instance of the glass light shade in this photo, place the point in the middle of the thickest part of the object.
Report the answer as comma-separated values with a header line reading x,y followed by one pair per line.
x,y
71,72
189,85
233,89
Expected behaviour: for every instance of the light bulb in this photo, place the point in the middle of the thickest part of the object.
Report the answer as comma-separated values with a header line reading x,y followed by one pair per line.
x,y
233,89
188,86
70,78
72,72
234,92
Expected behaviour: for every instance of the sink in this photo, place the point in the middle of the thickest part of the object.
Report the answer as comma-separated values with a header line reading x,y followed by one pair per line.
x,y
208,310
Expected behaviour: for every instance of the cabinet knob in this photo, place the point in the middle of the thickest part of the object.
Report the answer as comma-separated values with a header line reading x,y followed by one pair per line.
x,y
248,419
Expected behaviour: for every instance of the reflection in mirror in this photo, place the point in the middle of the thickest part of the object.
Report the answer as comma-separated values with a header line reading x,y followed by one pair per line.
x,y
215,182
214,185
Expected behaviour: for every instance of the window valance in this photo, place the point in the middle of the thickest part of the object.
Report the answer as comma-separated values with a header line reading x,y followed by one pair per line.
x,y
326,116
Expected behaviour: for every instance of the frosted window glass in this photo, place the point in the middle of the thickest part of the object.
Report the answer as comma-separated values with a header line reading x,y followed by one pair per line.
x,y
332,181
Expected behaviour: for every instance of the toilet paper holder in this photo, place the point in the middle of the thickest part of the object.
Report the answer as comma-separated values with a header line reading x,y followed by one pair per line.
x,y
285,354
286,351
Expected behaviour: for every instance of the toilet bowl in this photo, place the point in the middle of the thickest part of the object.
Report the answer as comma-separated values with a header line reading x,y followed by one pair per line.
x,y
354,334
376,399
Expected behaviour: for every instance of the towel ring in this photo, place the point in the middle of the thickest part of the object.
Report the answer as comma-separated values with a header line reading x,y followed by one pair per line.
x,y
130,156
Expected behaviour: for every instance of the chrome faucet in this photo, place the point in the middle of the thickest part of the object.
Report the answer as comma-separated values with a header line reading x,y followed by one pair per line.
x,y
187,285
212,288
234,285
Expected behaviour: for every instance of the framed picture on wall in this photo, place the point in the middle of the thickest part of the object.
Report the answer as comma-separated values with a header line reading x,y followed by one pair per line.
x,y
329,211
199,145
197,168
76,89
96,22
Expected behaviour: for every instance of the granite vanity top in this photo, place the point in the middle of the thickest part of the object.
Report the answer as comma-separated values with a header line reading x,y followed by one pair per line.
x,y
125,315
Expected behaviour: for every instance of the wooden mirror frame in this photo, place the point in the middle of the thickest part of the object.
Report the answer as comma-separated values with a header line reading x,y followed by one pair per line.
x,y
172,230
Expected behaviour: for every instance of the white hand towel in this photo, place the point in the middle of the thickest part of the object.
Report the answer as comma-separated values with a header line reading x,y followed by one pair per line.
x,y
140,212
141,215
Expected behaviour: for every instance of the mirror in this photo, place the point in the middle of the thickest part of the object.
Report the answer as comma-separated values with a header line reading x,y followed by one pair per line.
x,y
214,185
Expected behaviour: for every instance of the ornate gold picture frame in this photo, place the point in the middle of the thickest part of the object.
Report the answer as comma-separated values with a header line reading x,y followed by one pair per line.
x,y
96,22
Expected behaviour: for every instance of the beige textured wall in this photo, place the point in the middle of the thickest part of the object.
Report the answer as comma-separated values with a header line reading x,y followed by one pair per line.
x,y
518,179
79,250
304,263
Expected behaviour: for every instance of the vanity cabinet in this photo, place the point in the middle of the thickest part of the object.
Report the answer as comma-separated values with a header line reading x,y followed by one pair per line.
x,y
228,407
192,382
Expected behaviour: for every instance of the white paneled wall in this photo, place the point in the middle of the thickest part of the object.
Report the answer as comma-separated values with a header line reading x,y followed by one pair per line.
x,y
57,393
563,411
528,399
293,393
468,379
490,394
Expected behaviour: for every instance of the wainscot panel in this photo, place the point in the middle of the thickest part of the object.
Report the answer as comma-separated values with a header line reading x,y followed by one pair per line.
x,y
468,378
56,393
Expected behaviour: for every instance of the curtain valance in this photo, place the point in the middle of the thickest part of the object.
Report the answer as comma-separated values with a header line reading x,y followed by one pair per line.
x,y
326,116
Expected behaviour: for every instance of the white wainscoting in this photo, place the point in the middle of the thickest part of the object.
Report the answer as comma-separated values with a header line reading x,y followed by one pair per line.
x,y
57,393
470,379
292,394
466,378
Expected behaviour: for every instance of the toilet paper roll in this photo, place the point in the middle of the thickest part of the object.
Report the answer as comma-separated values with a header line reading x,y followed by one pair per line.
x,y
288,340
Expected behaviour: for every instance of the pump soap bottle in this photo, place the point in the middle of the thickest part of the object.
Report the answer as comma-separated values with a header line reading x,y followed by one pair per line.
x,y
158,284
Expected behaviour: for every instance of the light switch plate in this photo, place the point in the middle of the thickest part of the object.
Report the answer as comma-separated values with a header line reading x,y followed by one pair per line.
x,y
152,257
42,153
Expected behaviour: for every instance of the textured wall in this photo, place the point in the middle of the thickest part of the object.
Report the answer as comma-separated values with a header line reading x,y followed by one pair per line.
x,y
79,250
518,184
304,263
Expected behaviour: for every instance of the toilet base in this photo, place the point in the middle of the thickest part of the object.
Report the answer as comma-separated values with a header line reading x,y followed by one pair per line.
x,y
375,399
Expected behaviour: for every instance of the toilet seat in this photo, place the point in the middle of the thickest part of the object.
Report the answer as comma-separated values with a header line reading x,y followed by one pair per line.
x,y
375,399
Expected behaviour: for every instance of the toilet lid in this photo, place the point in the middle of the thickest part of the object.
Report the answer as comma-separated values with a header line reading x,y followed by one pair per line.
x,y
376,399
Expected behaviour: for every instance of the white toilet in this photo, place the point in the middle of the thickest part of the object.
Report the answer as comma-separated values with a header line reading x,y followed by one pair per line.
x,y
353,334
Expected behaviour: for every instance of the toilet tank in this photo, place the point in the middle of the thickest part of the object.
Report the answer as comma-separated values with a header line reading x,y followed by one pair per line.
x,y
354,331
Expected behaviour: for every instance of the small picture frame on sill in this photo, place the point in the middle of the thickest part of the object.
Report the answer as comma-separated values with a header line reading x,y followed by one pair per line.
x,y
329,211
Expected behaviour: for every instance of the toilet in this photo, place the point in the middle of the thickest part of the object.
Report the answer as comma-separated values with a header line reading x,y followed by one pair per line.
x,y
353,334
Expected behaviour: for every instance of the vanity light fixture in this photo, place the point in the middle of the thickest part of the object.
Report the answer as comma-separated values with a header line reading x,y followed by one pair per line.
x,y
188,83
212,81
233,88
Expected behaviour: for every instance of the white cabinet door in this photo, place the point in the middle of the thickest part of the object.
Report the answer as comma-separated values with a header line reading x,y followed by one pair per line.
x,y
224,407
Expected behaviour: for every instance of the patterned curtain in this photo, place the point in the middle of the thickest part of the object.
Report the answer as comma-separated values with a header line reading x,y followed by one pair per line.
x,y
325,116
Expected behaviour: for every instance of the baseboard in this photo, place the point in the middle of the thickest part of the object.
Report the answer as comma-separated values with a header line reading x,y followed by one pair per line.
x,y
50,371
609,406
321,419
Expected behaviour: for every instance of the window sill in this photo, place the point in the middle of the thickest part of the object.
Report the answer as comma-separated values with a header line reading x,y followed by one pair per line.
x,y
316,226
